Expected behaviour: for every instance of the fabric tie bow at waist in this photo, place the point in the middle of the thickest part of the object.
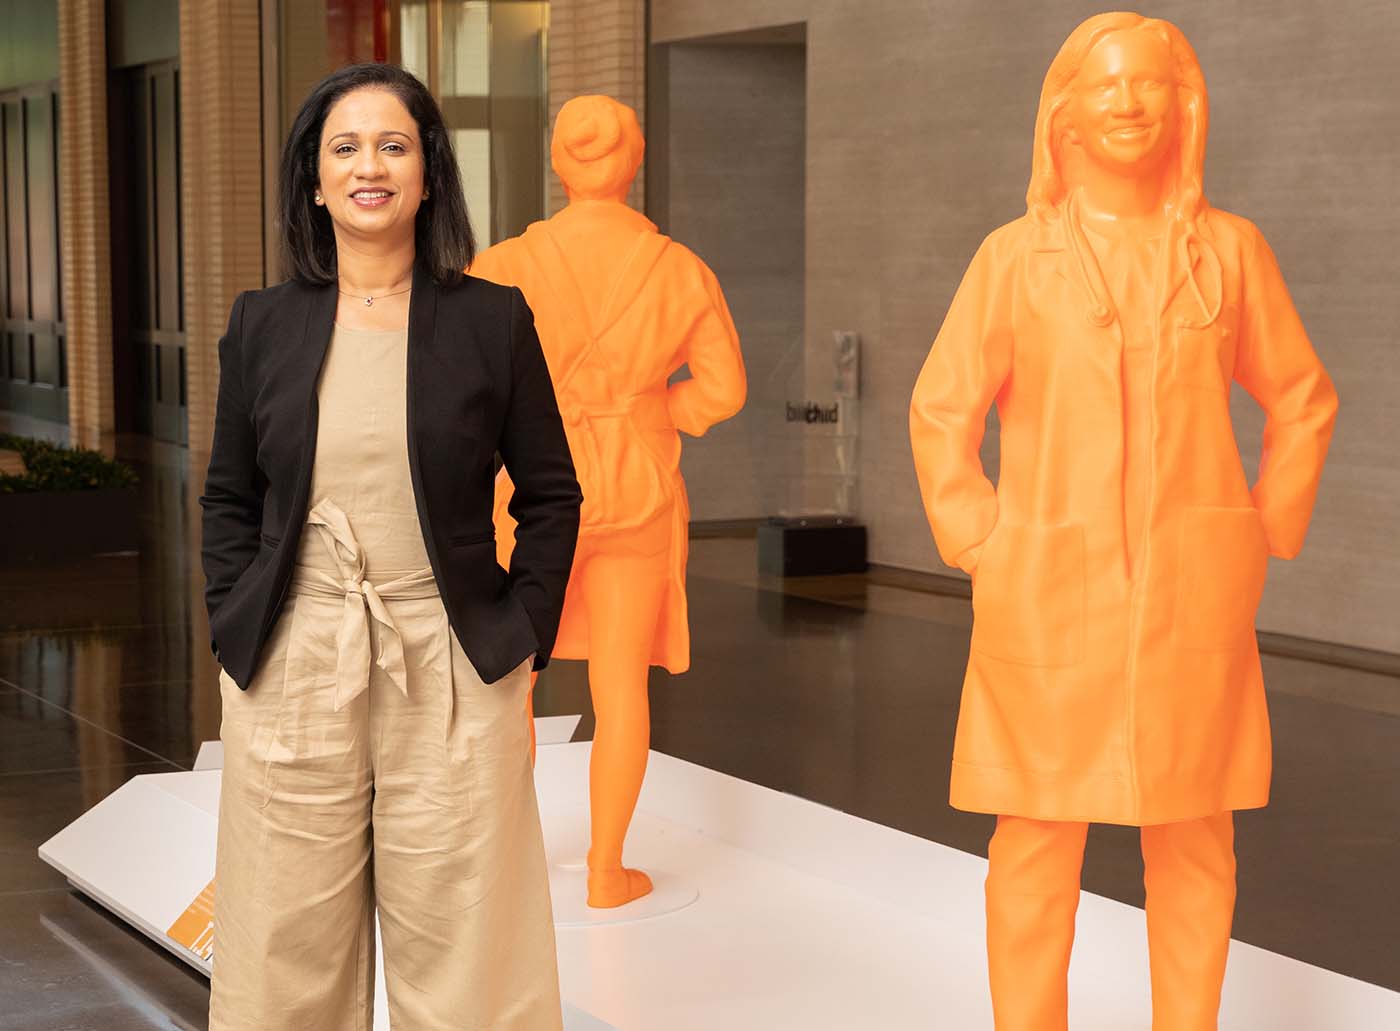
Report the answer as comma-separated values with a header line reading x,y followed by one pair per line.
x,y
363,602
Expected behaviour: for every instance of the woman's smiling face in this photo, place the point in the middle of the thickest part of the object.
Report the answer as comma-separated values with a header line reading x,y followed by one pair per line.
x,y
1123,108
371,166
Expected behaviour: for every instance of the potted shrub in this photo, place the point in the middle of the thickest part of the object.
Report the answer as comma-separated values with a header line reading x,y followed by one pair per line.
x,y
65,502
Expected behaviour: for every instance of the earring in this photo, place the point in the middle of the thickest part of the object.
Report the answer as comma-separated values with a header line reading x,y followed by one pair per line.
x,y
425,194
318,197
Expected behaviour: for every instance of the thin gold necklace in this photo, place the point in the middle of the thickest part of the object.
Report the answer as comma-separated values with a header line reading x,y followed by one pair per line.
x,y
369,298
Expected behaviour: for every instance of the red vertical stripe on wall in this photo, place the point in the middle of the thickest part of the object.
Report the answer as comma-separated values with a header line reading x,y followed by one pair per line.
x,y
357,30
381,30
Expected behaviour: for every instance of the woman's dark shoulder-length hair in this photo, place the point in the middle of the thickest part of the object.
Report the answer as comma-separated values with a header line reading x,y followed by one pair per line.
x,y
443,234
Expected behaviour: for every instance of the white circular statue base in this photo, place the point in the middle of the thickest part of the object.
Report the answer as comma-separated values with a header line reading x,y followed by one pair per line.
x,y
568,889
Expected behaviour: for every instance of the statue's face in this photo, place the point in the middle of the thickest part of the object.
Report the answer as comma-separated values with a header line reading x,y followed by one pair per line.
x,y
1122,111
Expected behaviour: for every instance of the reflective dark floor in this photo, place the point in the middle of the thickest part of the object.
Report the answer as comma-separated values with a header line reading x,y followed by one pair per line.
x,y
840,690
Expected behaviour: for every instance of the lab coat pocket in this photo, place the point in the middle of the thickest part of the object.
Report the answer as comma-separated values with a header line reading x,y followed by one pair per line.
x,y
1028,598
1222,565
1205,355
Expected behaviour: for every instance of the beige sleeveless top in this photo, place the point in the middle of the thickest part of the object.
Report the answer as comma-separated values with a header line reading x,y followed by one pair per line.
x,y
362,452
361,564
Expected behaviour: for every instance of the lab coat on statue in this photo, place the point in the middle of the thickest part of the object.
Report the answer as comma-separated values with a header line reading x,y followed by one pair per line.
x,y
1096,692
1117,564
611,357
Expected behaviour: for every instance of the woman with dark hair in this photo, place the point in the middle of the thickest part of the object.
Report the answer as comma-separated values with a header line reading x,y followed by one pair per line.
x,y
376,657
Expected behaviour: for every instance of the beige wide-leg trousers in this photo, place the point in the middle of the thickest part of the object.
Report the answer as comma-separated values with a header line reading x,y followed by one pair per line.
x,y
412,793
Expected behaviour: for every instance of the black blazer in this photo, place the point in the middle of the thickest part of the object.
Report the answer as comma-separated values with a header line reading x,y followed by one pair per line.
x,y
477,385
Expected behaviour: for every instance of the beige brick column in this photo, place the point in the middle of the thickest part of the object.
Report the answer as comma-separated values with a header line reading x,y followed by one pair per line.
x,y
597,46
221,192
85,221
221,187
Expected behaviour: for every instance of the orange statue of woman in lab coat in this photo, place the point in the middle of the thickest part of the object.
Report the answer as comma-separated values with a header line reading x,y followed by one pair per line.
x,y
620,309
1114,674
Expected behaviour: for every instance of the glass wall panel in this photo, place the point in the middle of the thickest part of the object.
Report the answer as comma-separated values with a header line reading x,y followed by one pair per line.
x,y
485,62
466,48
473,149
519,116
413,38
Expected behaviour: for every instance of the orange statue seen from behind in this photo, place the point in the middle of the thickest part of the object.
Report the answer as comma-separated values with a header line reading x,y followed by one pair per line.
x,y
1117,564
620,309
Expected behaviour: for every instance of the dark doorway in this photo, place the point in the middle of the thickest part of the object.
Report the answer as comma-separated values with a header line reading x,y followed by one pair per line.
x,y
33,370
726,175
148,317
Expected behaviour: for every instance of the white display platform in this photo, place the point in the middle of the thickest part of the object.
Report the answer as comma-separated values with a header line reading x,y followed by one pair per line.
x,y
568,892
806,918
147,850
555,730
812,919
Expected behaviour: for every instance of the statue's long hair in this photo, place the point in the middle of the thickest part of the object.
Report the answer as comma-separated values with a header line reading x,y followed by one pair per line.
x,y
1186,206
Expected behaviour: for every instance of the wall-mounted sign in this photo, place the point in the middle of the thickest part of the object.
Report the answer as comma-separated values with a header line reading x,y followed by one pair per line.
x,y
813,413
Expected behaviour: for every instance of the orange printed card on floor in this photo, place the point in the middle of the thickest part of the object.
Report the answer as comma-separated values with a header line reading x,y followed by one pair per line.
x,y
195,927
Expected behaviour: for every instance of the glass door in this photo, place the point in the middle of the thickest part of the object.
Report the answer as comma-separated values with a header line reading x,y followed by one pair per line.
x,y
33,366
